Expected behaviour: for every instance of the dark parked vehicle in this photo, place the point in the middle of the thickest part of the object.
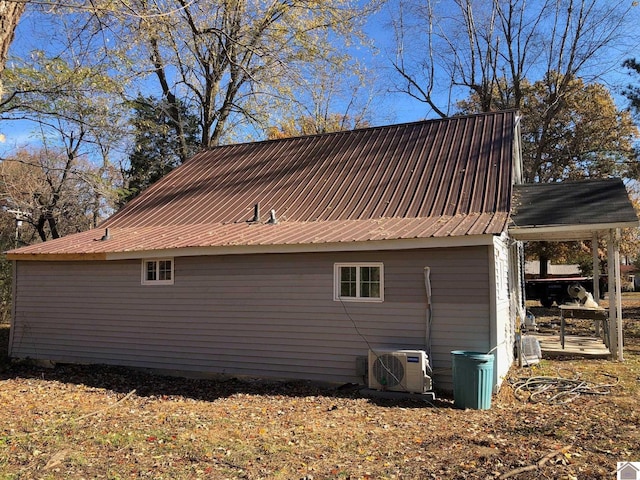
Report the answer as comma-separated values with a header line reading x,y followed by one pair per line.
x,y
549,290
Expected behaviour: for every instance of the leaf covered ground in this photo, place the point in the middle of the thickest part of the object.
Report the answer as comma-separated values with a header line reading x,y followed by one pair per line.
x,y
107,422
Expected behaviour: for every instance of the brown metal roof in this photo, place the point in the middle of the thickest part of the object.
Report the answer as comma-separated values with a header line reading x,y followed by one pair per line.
x,y
434,178
145,239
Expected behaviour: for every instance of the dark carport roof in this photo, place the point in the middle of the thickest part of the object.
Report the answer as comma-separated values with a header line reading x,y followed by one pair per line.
x,y
570,210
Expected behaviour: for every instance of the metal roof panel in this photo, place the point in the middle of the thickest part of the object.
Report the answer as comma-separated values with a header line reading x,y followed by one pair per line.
x,y
431,178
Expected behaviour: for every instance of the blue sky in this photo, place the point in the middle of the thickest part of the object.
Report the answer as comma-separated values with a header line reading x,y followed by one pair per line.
x,y
33,33
388,107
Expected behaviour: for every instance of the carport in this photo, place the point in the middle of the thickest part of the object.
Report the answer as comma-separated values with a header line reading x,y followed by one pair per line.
x,y
577,211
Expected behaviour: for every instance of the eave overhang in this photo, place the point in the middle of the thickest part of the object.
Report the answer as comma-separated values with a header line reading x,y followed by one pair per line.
x,y
565,233
283,237
379,245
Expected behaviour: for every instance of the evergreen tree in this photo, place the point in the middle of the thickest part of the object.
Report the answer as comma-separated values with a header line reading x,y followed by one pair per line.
x,y
157,148
632,92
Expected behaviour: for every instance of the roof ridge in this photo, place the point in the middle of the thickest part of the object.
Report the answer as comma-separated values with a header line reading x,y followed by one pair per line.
x,y
569,182
361,129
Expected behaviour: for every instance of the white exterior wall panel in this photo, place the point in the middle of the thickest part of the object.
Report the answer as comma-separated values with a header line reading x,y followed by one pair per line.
x,y
502,343
261,315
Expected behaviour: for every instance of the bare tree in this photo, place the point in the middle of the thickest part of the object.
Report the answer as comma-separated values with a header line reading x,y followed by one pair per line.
x,y
489,47
47,190
232,61
335,96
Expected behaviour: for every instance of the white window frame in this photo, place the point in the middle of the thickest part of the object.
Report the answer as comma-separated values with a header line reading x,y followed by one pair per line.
x,y
337,282
157,261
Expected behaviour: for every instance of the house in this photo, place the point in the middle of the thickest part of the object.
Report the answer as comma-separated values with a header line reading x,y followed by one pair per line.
x,y
292,258
628,471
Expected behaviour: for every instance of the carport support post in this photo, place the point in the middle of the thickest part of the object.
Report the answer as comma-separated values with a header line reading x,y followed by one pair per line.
x,y
596,267
620,332
615,295
596,274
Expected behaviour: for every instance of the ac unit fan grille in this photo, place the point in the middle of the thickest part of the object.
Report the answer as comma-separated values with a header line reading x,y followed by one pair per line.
x,y
388,370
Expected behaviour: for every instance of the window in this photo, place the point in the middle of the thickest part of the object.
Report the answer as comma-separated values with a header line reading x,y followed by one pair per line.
x,y
362,282
157,271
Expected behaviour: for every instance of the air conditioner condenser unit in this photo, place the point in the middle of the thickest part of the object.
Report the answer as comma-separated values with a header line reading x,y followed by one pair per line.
x,y
399,371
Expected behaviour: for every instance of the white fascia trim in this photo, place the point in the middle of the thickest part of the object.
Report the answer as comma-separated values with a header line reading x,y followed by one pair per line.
x,y
401,244
521,232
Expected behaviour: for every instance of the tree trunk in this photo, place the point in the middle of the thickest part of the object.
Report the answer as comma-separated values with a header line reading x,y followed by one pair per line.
x,y
10,13
39,225
174,108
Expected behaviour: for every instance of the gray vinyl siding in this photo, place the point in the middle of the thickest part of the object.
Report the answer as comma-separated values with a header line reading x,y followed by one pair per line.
x,y
259,315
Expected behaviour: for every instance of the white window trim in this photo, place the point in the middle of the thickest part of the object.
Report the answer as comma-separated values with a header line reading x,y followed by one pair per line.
x,y
336,282
157,261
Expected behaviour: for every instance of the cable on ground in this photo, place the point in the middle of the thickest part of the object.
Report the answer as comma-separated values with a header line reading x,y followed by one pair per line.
x,y
559,390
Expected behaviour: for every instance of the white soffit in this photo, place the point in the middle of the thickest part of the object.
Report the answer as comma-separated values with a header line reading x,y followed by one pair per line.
x,y
383,245
562,233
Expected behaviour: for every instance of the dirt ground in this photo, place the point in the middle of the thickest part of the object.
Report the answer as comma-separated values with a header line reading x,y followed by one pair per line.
x,y
107,422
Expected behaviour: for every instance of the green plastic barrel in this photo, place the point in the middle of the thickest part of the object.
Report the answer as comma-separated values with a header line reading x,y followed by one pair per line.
x,y
472,379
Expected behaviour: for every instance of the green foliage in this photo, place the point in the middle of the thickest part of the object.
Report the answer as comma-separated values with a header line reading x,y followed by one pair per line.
x,y
6,282
45,85
236,65
157,148
8,241
76,111
562,252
